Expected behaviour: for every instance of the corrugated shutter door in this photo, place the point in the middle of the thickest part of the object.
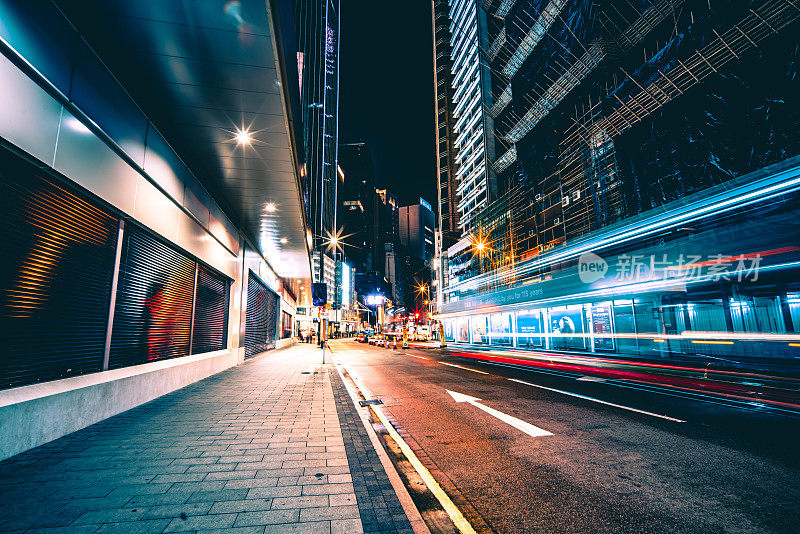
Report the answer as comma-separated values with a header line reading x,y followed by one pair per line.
x,y
210,311
153,314
261,318
56,265
256,327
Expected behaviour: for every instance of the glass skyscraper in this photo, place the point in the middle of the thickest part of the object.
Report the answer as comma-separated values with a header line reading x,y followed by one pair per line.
x,y
473,141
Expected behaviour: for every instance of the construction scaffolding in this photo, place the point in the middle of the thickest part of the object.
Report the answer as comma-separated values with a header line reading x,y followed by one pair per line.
x,y
623,105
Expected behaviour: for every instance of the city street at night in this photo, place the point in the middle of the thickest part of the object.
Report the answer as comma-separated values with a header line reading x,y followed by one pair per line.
x,y
429,267
648,463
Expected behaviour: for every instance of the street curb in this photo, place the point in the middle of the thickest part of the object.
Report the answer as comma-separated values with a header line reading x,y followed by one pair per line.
x,y
410,509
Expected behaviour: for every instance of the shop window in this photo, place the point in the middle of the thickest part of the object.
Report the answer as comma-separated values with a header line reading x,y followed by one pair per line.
x,y
529,329
602,328
462,330
480,330
625,327
286,325
501,329
449,334
566,325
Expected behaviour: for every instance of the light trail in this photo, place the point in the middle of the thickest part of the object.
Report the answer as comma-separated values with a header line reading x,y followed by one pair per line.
x,y
700,386
779,184
629,408
610,292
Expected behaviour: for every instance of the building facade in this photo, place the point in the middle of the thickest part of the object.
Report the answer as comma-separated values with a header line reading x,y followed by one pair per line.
x,y
417,226
140,255
318,60
473,138
445,124
642,151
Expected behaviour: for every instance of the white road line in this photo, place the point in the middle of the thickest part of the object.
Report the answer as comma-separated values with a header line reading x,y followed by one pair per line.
x,y
600,401
466,368
420,357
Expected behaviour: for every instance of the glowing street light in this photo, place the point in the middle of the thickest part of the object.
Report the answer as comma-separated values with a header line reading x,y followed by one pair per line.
x,y
335,241
243,137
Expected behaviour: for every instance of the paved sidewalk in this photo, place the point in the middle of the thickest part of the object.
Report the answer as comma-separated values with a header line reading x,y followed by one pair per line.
x,y
256,449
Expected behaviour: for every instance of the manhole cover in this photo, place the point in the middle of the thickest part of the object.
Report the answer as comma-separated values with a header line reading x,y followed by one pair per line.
x,y
371,402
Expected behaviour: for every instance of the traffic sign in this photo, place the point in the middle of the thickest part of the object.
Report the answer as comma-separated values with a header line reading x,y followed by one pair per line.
x,y
319,293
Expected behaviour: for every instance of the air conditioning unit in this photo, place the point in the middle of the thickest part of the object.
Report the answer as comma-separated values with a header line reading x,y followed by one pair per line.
x,y
577,194
565,200
557,220
538,197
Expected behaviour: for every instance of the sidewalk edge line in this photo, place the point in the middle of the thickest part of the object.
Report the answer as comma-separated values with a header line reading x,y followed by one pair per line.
x,y
452,510
414,517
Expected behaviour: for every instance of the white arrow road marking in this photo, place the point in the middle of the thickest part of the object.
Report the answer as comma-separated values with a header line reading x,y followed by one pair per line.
x,y
519,424
651,414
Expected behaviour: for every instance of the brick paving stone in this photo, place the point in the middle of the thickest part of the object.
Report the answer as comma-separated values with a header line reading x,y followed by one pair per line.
x,y
267,517
313,527
256,529
313,501
258,448
244,505
189,523
153,526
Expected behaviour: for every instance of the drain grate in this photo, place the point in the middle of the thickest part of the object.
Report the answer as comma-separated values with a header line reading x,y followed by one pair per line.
x,y
371,402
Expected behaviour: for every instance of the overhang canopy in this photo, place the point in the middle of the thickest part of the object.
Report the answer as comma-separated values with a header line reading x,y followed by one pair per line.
x,y
205,71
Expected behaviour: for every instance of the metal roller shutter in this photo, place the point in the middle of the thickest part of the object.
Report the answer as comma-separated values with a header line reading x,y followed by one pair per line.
x,y
210,328
56,266
261,321
153,313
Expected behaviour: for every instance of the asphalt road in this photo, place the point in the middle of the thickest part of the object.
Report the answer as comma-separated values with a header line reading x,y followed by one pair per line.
x,y
604,468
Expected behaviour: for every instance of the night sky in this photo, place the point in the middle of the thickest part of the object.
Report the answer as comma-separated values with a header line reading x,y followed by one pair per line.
x,y
386,92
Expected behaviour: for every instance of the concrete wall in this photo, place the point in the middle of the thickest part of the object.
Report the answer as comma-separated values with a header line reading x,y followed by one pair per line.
x,y
33,415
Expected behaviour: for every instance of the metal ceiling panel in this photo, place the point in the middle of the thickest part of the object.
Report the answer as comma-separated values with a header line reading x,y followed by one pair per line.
x,y
201,70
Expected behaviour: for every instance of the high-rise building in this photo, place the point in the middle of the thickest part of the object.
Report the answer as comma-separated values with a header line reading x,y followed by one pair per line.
x,y
318,61
417,229
357,204
475,181
663,134
445,126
